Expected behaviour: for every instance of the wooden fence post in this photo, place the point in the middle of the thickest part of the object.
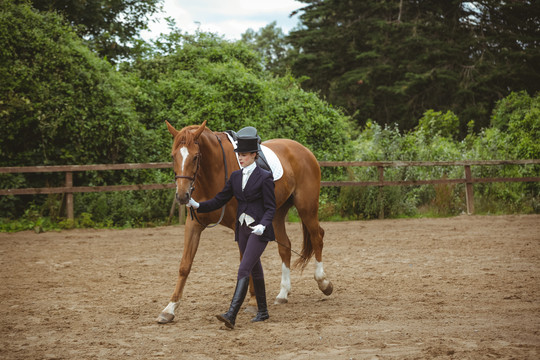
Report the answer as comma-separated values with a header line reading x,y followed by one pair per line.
x,y
69,195
182,214
381,192
469,196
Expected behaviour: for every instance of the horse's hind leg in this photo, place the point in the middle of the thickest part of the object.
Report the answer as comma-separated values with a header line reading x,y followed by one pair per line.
x,y
284,248
308,207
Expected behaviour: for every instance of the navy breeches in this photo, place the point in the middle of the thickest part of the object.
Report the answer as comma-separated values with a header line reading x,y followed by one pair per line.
x,y
251,247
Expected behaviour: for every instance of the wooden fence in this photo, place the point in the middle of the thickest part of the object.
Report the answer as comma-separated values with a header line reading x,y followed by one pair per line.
x,y
468,180
69,189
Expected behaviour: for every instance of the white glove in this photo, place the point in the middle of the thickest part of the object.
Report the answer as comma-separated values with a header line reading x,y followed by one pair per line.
x,y
192,203
258,229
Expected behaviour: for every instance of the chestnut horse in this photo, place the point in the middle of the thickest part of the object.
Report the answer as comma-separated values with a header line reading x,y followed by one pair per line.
x,y
203,160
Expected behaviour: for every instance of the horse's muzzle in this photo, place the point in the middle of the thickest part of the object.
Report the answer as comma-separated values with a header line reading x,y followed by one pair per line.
x,y
183,198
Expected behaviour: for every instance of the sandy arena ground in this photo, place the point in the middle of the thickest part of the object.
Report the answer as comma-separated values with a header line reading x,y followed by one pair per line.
x,y
454,288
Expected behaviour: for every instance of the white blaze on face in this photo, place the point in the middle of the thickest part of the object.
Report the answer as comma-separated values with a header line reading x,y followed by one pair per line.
x,y
184,153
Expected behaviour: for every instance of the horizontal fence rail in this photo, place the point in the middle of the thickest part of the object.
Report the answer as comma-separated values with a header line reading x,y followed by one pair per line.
x,y
466,164
69,189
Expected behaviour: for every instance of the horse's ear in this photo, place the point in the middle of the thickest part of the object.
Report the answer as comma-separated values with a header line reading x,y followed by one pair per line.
x,y
172,130
199,130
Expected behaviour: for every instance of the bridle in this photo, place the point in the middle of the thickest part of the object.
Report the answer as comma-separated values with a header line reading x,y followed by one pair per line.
x,y
198,156
194,177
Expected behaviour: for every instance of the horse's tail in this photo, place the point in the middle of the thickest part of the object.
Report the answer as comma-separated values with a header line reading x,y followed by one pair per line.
x,y
307,248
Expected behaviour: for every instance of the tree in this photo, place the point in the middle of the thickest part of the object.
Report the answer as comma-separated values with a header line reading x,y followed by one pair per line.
x,y
391,61
110,27
270,42
60,103
505,56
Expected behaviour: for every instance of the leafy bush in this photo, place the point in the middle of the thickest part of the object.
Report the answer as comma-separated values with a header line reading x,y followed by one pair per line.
x,y
60,104
436,124
516,125
204,77
513,135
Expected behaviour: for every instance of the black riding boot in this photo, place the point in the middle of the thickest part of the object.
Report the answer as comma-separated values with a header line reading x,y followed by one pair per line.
x,y
239,295
260,295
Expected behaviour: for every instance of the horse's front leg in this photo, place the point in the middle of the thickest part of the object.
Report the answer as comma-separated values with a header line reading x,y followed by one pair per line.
x,y
192,235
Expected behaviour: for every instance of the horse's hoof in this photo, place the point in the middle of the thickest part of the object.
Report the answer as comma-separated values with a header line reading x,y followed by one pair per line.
x,y
165,318
328,289
281,301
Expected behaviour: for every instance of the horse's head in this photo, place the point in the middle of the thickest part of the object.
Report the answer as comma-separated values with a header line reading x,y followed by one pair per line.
x,y
186,159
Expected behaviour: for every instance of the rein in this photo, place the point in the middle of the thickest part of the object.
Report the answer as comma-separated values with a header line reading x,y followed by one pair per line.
x,y
290,248
192,212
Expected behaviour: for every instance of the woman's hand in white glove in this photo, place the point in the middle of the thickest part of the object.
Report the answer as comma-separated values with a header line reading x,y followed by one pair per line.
x,y
258,229
192,203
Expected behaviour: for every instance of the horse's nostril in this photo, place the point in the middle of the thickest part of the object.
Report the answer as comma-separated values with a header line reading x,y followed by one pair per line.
x,y
182,199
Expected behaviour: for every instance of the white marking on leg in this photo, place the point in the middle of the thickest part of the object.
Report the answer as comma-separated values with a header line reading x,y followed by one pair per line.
x,y
285,283
170,308
184,153
320,276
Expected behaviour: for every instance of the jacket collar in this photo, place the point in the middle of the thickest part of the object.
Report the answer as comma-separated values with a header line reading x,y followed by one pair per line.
x,y
249,168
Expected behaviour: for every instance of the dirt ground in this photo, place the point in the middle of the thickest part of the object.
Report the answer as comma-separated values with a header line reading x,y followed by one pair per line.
x,y
453,288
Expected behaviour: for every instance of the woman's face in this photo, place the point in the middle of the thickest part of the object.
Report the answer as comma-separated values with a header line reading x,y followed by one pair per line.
x,y
246,159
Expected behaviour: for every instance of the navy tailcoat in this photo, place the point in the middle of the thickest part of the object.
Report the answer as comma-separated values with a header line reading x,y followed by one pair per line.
x,y
258,199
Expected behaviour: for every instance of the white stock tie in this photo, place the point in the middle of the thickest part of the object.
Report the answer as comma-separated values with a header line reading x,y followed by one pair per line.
x,y
246,173
245,177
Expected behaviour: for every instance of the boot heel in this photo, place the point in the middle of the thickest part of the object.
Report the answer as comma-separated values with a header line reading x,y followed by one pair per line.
x,y
229,318
226,320
261,316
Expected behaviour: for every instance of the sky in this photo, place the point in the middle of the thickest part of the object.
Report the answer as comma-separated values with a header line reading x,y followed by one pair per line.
x,y
229,18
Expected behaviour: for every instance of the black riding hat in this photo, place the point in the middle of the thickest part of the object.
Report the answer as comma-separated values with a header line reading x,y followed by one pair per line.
x,y
248,140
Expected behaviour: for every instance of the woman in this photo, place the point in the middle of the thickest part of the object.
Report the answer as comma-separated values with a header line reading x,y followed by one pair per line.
x,y
253,188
